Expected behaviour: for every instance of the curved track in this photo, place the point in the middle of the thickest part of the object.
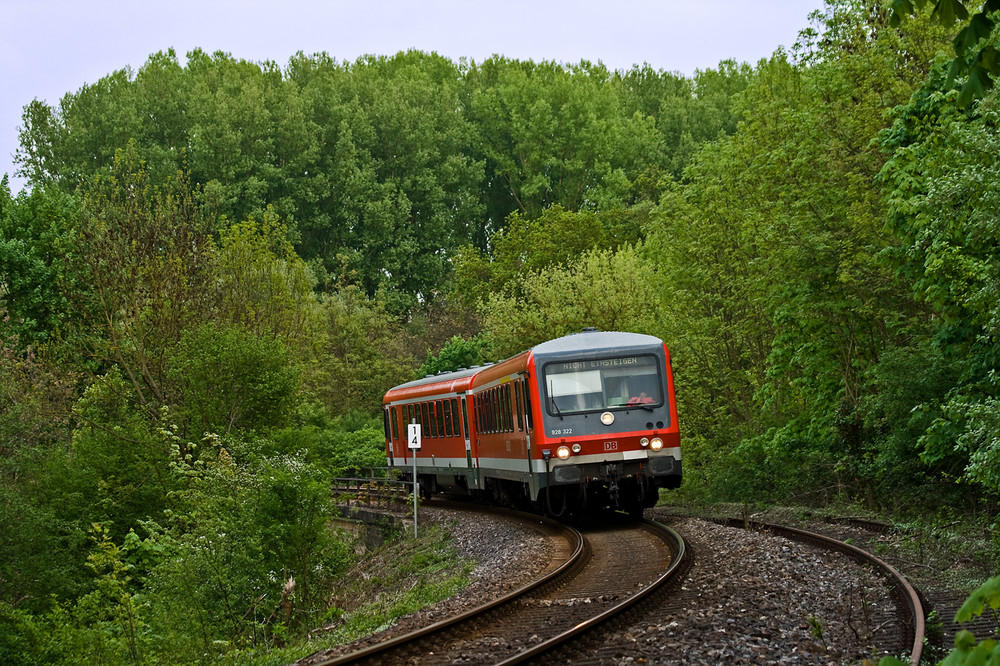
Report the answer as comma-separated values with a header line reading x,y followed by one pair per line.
x,y
605,570
907,600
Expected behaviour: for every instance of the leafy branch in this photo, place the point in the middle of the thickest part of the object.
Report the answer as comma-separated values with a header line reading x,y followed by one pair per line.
x,y
979,63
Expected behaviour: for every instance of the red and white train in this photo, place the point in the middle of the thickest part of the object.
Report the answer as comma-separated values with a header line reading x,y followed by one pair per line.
x,y
580,423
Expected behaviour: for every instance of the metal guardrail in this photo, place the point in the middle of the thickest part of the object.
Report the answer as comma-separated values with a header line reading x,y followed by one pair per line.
x,y
372,492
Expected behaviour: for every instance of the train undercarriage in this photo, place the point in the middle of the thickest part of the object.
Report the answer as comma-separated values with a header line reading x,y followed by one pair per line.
x,y
598,488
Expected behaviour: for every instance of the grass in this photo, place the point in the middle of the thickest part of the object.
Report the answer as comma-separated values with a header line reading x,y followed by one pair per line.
x,y
400,577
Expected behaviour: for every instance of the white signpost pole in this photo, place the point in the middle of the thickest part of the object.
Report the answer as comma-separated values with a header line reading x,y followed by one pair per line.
x,y
413,439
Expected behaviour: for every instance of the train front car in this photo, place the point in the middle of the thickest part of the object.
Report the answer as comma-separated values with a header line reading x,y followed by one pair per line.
x,y
608,436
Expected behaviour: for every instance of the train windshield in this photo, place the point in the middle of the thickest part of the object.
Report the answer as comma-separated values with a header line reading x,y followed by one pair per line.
x,y
625,382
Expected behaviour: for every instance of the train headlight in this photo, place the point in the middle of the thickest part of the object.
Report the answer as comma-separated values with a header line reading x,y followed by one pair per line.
x,y
644,441
607,418
563,452
577,448
656,444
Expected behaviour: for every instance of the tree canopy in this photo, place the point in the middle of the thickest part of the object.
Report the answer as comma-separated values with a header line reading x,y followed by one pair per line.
x,y
221,266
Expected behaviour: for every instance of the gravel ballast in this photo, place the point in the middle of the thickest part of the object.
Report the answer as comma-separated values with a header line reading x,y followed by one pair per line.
x,y
749,598
755,598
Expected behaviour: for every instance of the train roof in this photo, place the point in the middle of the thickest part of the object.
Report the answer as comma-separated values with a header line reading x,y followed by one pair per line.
x,y
589,341
595,342
442,377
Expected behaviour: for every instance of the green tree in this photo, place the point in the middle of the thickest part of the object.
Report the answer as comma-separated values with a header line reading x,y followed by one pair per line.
x,y
38,237
773,251
556,236
457,353
362,352
69,145
976,55
609,290
399,192
229,378
553,135
158,243
943,196
260,283
688,112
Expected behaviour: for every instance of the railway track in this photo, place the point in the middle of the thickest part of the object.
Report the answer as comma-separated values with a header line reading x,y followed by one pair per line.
x,y
910,624
589,586
586,584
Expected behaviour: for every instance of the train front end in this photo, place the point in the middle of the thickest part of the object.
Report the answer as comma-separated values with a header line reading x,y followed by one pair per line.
x,y
608,435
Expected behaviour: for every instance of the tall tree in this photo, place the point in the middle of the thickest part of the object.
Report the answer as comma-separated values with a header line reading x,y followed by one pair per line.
x,y
778,234
554,135
400,192
976,54
38,237
944,197
609,290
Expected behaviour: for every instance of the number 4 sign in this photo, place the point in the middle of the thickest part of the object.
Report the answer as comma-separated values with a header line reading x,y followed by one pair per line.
x,y
413,435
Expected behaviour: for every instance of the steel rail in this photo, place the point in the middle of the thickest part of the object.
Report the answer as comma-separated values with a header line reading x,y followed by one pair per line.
x,y
672,570
905,594
577,546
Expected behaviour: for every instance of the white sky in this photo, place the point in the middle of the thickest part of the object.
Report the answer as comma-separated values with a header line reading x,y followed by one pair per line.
x,y
52,47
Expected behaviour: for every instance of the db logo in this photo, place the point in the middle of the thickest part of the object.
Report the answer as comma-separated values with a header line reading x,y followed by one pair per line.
x,y
610,446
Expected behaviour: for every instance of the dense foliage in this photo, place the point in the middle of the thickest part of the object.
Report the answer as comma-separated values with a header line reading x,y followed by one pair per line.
x,y
221,266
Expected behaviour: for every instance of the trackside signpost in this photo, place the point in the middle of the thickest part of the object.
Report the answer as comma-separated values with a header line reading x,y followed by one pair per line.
x,y
413,440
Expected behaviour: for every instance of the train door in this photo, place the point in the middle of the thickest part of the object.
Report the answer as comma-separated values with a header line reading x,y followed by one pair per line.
x,y
467,433
387,414
522,426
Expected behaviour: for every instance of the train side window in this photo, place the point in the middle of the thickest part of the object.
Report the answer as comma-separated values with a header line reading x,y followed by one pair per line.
x,y
456,421
495,408
510,407
480,416
508,422
487,422
433,417
439,410
424,421
484,422
448,430
477,407
394,420
487,412
501,417
519,406
491,412
527,402
502,407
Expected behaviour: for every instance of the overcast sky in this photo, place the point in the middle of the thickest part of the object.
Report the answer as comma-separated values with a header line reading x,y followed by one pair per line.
x,y
51,47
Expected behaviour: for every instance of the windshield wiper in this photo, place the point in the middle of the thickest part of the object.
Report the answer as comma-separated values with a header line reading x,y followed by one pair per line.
x,y
552,399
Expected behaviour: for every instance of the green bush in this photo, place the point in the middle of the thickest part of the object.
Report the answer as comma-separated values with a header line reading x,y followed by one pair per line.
x,y
345,445
230,378
250,552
